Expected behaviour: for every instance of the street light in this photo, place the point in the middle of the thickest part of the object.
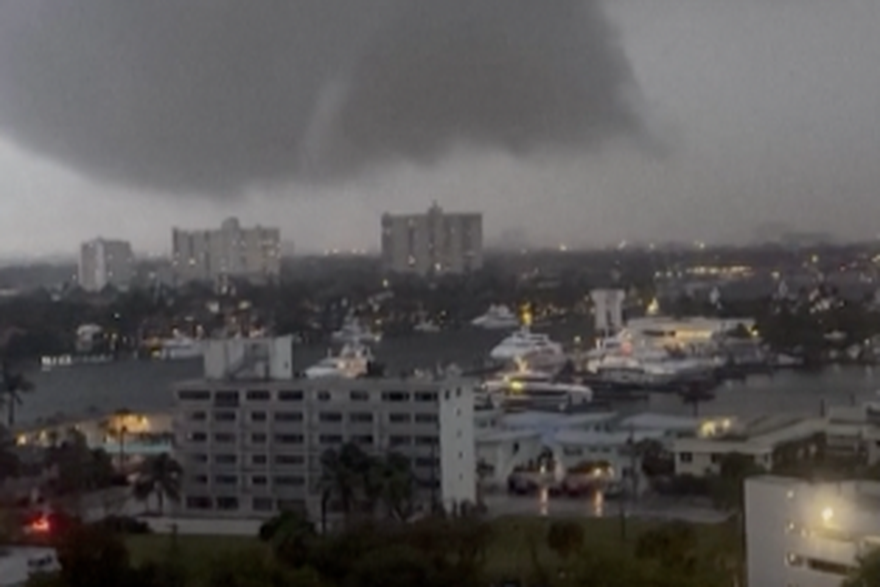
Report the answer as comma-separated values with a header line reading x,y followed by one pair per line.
x,y
827,515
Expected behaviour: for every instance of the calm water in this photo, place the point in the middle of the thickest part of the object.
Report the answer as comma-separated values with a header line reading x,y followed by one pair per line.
x,y
143,385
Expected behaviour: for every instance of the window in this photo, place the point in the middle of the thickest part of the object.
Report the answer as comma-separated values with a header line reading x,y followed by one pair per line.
x,y
330,417
289,438
426,440
290,396
399,440
200,479
227,503
259,480
686,457
324,396
226,396
288,417
225,459
289,460
197,437
289,481
226,479
363,439
715,458
359,396
395,396
426,396
259,459
260,395
224,437
224,416
193,396
199,458
426,418
330,439
198,503
259,438
399,418
262,504
258,416
427,462
360,417
198,416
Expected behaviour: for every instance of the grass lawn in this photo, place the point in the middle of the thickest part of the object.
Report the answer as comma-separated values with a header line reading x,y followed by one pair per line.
x,y
197,552
509,553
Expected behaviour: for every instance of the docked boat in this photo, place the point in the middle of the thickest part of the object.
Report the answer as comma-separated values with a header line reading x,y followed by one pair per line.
x,y
529,347
426,327
180,348
648,370
535,388
353,332
352,361
498,317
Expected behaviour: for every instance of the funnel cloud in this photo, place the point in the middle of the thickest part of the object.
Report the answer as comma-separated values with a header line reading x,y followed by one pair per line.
x,y
211,96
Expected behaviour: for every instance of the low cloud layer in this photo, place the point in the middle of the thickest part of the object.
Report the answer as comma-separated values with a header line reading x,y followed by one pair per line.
x,y
211,96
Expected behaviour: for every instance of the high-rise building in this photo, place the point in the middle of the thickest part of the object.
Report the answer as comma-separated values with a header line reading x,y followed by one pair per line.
x,y
432,243
250,436
231,251
105,263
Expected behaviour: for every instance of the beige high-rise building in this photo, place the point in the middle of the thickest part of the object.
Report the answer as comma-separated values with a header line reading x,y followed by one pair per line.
x,y
432,243
231,251
105,263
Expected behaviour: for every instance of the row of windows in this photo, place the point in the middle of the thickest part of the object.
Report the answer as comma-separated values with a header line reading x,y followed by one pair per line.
x,y
326,417
233,397
261,438
254,480
288,460
263,504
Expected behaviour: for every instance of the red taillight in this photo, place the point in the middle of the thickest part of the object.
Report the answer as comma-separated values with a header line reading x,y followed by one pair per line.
x,y
41,525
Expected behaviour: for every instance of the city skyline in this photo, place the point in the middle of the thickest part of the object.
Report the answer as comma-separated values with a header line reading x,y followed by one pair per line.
x,y
761,114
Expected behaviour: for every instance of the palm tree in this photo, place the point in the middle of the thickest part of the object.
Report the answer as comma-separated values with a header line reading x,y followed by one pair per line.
x,y
116,429
12,384
160,475
339,479
867,571
290,535
397,486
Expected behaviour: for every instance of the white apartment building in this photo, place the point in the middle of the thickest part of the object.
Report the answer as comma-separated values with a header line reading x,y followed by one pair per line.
x,y
808,534
104,262
432,243
230,251
250,436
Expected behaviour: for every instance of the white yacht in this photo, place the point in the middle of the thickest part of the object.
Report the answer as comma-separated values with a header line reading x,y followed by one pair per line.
x,y
426,327
498,317
524,387
529,347
352,361
646,368
353,332
180,348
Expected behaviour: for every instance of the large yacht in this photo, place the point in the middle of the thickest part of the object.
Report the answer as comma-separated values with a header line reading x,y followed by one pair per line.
x,y
647,369
498,317
529,347
353,332
352,361
524,387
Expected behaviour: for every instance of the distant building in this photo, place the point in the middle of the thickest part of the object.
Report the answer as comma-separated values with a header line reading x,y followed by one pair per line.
x,y
231,251
250,435
432,243
105,263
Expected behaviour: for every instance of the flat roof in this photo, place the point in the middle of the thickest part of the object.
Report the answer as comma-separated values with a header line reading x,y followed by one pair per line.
x,y
660,421
604,439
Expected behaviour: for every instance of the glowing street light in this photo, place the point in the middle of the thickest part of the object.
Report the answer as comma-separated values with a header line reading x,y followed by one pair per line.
x,y
827,515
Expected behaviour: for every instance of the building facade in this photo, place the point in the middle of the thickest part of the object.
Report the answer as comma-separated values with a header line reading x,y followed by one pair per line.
x,y
808,534
105,263
230,251
432,243
250,437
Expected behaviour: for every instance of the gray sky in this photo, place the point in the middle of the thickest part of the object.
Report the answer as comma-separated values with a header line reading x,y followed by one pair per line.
x,y
764,111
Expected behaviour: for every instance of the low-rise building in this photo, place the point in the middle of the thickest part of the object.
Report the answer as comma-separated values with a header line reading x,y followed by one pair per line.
x,y
808,534
251,437
18,564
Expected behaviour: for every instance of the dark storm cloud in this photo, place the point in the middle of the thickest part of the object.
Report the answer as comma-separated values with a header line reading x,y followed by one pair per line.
x,y
213,95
